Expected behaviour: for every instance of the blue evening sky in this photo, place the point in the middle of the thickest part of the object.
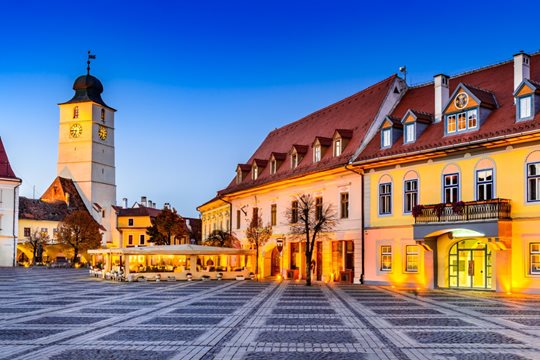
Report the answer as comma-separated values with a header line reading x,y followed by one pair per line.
x,y
199,84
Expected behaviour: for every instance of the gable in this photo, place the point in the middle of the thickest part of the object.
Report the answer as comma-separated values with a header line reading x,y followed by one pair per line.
x,y
387,124
409,119
452,106
525,90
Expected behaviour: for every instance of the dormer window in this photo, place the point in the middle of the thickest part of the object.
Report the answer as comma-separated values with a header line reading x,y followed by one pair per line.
x,y
386,138
297,154
294,161
463,121
337,147
239,177
410,133
317,153
525,107
273,166
255,172
76,112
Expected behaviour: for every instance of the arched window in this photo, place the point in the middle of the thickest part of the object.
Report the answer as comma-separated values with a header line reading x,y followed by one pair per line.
x,y
76,112
532,172
385,195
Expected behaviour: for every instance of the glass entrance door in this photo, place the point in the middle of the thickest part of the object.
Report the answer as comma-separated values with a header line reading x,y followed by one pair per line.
x,y
469,265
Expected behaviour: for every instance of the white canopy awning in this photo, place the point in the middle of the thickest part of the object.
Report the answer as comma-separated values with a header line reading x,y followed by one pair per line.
x,y
174,250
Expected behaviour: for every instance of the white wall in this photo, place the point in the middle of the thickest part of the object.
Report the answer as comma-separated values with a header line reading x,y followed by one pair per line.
x,y
9,211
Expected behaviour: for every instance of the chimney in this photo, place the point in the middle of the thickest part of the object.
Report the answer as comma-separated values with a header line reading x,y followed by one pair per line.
x,y
166,206
522,68
125,201
442,93
151,204
143,201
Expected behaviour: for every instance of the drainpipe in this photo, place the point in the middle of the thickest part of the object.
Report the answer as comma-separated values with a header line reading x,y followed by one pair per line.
x,y
230,212
362,238
14,223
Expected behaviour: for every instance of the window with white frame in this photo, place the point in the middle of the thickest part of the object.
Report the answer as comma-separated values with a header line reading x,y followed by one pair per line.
x,y
451,188
410,133
463,121
273,166
386,258
317,153
294,161
255,172
386,138
239,176
484,184
385,198
534,255
344,201
411,258
533,182
525,107
410,188
337,147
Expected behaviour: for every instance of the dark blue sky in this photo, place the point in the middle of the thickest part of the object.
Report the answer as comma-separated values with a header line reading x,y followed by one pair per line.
x,y
199,84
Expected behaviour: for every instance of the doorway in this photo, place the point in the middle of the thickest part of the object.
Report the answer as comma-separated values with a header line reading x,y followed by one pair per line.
x,y
469,265
275,262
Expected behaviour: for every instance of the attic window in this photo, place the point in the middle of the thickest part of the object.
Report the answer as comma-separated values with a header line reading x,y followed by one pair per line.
x,y
294,161
463,121
273,166
410,133
525,107
76,112
317,153
255,172
386,138
337,147
239,176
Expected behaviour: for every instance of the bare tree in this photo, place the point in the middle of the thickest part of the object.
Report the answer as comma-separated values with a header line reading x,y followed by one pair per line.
x,y
309,219
257,235
79,231
222,239
37,241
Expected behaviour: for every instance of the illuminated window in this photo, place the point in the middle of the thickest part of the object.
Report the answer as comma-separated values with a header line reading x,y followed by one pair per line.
x,y
534,253
451,124
255,172
533,182
318,208
337,147
273,214
386,138
451,188
385,198
344,201
463,121
525,107
472,118
294,212
411,258
411,195
484,184
317,153
76,112
386,258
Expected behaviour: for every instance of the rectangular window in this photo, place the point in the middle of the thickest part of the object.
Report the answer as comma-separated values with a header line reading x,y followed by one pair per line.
x,y
525,107
410,133
534,254
472,119
411,258
273,214
1,195
238,219
294,212
273,167
317,153
141,239
130,222
462,121
386,138
130,239
295,256
385,198
26,232
451,124
318,208
294,161
238,176
386,258
255,173
451,188
484,184
411,195
337,147
344,205
44,231
533,182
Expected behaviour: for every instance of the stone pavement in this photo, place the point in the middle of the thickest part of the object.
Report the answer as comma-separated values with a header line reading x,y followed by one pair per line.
x,y
64,314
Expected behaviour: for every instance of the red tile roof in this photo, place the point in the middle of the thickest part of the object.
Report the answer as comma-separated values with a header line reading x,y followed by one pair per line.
x,y
5,168
499,79
355,113
138,211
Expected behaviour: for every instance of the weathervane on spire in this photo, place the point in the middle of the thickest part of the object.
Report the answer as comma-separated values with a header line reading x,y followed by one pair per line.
x,y
90,57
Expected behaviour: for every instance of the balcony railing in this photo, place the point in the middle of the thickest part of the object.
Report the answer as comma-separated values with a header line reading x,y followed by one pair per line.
x,y
495,209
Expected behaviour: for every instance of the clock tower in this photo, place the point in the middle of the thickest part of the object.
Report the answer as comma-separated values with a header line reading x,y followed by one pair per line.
x,y
86,149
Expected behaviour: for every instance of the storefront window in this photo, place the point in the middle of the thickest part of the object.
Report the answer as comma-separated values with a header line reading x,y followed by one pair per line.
x,y
411,258
386,258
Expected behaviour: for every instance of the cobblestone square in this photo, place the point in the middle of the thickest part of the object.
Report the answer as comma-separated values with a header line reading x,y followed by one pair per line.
x,y
78,317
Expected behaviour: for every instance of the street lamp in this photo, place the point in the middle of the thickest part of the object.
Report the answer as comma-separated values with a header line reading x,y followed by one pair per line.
x,y
279,244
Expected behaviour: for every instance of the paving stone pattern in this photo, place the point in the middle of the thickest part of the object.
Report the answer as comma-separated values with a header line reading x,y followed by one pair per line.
x,y
64,314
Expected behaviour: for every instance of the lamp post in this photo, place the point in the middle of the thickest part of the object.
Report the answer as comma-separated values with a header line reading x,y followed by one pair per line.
x,y
279,244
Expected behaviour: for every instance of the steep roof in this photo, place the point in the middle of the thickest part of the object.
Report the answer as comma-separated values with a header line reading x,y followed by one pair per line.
x,y
138,211
5,168
355,113
493,85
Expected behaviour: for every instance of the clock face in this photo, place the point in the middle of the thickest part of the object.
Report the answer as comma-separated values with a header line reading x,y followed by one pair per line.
x,y
461,100
75,131
102,132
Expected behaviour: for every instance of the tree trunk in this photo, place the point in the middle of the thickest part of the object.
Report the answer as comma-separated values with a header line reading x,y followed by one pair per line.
x,y
75,254
34,255
308,266
257,262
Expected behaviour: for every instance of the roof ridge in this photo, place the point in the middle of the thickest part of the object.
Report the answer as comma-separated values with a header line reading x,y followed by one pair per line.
x,y
479,88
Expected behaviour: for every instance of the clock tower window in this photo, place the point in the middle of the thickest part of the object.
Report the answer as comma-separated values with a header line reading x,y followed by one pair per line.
x,y
76,112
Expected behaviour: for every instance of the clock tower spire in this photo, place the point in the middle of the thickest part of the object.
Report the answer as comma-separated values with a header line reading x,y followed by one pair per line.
x,y
86,148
